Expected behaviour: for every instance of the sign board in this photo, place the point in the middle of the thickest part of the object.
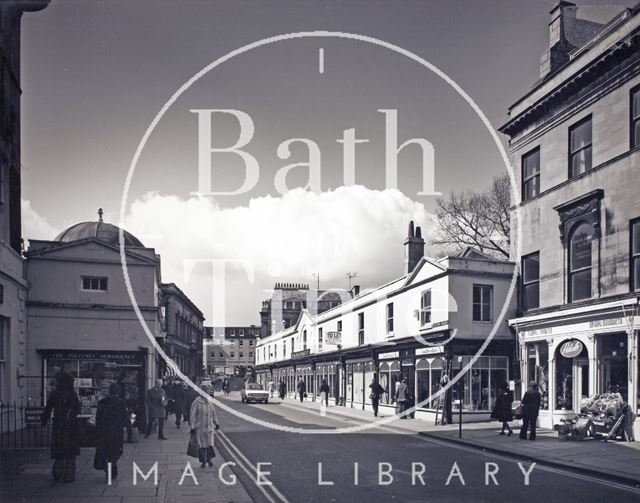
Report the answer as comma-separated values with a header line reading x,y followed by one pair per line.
x,y
33,415
333,338
431,350
571,348
300,354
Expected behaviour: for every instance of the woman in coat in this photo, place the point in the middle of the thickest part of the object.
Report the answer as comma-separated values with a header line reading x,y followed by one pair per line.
x,y
111,419
282,389
502,410
204,422
64,404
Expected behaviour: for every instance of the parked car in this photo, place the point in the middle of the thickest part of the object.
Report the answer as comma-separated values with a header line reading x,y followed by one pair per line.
x,y
254,392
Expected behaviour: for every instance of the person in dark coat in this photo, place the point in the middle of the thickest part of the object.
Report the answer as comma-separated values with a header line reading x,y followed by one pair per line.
x,y
402,398
112,418
302,389
156,403
376,392
168,391
178,402
64,404
502,409
530,408
324,388
189,396
282,389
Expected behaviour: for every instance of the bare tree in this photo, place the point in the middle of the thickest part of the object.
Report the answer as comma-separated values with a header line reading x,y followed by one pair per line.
x,y
476,219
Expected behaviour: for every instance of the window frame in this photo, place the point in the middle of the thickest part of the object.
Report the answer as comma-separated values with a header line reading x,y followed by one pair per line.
x,y
320,338
360,329
390,316
633,120
424,319
526,283
573,127
99,279
526,180
633,256
481,303
571,273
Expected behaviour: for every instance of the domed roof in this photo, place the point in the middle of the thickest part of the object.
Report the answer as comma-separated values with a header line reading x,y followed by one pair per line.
x,y
108,233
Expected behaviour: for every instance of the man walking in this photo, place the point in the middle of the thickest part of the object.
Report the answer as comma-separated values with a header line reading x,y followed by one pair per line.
x,y
402,397
178,402
324,392
530,408
156,403
376,392
302,389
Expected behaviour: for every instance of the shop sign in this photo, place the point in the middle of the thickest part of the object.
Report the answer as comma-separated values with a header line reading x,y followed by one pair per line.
x,y
301,354
33,415
433,350
389,356
333,338
117,356
571,349
612,322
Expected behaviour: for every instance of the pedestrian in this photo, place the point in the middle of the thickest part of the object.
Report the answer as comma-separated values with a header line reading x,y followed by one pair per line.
x,y
272,388
324,392
627,422
402,397
168,391
530,408
502,409
204,422
112,418
189,396
376,392
282,389
178,402
156,403
225,386
302,389
64,404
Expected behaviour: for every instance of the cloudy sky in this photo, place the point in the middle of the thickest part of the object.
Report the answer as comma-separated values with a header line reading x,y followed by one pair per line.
x,y
96,73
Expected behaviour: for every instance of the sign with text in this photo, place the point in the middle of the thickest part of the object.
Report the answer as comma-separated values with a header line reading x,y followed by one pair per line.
x,y
571,349
33,415
333,338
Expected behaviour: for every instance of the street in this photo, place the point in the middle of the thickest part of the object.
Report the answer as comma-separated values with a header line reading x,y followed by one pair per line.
x,y
419,469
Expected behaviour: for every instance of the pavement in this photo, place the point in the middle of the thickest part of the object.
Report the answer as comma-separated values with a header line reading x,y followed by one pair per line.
x,y
619,461
26,476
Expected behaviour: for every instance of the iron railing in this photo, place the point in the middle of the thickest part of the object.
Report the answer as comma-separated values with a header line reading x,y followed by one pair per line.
x,y
20,426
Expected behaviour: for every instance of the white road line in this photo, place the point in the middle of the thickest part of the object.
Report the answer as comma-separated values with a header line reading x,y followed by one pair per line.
x,y
444,443
321,60
273,488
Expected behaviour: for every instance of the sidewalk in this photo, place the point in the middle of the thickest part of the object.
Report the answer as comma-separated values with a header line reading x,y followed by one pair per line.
x,y
26,476
619,461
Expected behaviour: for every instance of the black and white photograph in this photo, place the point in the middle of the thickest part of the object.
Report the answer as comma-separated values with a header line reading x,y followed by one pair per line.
x,y
291,251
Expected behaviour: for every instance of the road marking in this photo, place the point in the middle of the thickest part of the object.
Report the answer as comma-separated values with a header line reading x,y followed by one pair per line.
x,y
321,60
444,443
253,475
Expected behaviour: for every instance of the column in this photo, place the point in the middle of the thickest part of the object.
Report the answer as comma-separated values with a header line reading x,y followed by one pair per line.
x,y
552,378
632,355
593,364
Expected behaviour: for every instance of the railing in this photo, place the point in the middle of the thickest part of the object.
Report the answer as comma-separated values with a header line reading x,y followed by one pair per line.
x,y
20,427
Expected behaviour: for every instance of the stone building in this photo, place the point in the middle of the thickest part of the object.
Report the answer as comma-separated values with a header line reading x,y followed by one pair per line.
x,y
80,318
289,299
574,140
183,331
432,321
13,286
231,350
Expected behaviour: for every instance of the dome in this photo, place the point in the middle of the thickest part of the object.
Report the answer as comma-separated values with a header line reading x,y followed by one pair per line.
x,y
108,233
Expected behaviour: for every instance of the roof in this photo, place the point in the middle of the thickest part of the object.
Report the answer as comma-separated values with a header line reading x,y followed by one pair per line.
x,y
103,231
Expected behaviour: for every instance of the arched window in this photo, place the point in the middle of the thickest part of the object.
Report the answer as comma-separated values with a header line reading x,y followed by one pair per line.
x,y
580,262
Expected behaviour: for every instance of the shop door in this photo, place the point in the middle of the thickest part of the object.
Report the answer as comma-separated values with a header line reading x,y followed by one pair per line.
x,y
408,372
615,376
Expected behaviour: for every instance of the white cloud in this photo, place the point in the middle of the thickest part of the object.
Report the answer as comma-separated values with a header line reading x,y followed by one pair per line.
x,y
33,225
284,238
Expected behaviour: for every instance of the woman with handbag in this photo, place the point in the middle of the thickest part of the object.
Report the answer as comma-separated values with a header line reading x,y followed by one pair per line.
x,y
204,422
502,410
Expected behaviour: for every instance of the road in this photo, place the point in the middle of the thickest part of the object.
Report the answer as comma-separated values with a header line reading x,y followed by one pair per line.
x,y
420,469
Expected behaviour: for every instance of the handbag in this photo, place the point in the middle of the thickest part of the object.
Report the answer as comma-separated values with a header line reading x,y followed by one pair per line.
x,y
193,449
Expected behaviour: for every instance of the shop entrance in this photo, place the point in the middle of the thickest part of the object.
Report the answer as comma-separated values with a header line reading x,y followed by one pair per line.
x,y
612,352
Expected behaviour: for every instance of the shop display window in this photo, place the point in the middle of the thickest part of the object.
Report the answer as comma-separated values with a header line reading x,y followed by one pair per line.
x,y
428,376
481,383
538,369
389,377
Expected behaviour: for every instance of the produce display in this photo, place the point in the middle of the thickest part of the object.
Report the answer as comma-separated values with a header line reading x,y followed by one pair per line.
x,y
606,403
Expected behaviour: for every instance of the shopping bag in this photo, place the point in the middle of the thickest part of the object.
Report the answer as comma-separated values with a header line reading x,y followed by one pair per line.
x,y
193,449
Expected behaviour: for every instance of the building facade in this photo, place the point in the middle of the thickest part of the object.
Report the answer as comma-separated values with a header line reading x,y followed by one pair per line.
x,y
232,350
80,318
182,324
288,300
215,359
13,285
429,323
574,141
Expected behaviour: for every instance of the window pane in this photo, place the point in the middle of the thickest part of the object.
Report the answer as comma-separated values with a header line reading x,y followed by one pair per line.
x,y
636,273
532,187
581,135
635,232
476,312
422,378
486,311
581,285
580,247
531,296
636,133
581,161
636,104
531,267
531,164
476,294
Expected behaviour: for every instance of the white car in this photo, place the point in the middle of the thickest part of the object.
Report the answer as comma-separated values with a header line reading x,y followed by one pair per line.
x,y
254,392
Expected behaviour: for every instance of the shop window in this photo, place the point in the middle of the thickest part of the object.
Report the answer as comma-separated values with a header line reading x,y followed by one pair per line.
x,y
570,375
482,299
531,174
94,283
580,139
482,382
538,369
425,307
635,253
613,356
360,329
389,377
428,376
580,262
390,317
635,118
531,281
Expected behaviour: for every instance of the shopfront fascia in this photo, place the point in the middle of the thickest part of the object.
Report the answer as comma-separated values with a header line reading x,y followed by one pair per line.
x,y
94,371
575,358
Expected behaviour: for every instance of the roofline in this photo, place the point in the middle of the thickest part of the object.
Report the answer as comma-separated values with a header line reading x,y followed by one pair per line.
x,y
164,286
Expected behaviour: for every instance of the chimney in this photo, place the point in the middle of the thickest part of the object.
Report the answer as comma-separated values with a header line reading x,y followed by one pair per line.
x,y
414,248
563,17
355,291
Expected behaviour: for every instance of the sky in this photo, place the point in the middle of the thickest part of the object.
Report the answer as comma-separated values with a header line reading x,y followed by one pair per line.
x,y
96,73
